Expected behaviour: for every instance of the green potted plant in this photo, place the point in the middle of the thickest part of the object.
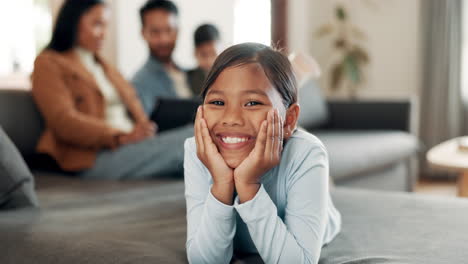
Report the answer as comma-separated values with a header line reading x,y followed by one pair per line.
x,y
348,70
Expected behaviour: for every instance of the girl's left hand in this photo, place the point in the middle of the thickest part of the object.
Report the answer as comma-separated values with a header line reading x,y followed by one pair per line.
x,y
265,155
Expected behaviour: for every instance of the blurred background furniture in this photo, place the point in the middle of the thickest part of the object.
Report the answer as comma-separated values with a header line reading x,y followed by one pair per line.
x,y
370,143
448,156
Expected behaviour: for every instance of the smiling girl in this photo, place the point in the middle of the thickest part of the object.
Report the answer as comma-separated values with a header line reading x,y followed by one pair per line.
x,y
253,182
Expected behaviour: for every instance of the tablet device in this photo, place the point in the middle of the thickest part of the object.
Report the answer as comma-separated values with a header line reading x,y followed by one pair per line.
x,y
171,113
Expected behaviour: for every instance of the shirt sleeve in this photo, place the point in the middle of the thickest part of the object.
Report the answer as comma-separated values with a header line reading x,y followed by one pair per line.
x,y
300,237
142,91
211,225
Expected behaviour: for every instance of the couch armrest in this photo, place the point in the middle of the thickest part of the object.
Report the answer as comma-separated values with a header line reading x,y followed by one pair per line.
x,y
369,115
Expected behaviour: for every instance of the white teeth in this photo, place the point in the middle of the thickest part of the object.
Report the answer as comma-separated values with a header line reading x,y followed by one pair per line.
x,y
233,140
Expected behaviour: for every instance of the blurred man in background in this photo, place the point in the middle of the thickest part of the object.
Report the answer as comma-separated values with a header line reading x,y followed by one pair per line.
x,y
160,76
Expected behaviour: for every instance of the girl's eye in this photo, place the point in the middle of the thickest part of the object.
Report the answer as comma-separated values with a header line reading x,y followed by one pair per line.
x,y
253,103
217,102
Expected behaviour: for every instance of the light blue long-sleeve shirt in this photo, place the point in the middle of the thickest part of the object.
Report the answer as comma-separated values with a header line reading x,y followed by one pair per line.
x,y
288,221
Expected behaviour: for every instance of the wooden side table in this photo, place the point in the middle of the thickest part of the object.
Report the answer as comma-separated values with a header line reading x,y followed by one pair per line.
x,y
447,156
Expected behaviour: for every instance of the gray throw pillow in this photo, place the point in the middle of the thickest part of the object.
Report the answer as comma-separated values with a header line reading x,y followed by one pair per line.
x,y
314,111
16,180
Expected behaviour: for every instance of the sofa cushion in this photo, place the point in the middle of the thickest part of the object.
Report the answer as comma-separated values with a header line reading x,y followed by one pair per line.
x,y
16,181
359,152
314,111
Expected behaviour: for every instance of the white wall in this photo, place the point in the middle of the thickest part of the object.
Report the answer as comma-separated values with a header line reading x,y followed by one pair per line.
x,y
299,14
393,32
132,52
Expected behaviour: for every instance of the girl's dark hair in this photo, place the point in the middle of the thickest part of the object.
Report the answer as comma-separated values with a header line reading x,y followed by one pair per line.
x,y
276,66
65,34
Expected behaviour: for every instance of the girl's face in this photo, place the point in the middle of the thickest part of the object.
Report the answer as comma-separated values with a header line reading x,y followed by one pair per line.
x,y
234,108
92,28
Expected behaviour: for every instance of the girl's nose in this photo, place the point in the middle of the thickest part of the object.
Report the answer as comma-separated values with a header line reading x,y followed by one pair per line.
x,y
232,117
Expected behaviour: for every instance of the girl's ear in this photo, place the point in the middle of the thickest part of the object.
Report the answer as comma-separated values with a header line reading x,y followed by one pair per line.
x,y
290,122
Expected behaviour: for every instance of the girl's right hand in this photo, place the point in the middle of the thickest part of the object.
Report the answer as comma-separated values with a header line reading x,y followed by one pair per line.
x,y
207,152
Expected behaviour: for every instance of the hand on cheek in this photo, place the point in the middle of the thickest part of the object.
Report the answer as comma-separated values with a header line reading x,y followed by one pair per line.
x,y
265,155
207,152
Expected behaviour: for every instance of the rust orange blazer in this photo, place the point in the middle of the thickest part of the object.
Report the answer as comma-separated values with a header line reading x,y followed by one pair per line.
x,y
74,108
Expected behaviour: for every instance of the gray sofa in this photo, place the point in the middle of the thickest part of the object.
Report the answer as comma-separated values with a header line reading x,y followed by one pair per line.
x,y
369,144
144,222
82,221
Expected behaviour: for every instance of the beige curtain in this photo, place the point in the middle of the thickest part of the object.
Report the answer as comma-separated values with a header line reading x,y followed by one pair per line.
x,y
442,110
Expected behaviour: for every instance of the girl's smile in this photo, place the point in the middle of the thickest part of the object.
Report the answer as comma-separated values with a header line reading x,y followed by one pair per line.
x,y
234,141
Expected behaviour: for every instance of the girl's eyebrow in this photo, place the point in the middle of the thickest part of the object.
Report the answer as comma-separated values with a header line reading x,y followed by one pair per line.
x,y
251,91
215,92
259,92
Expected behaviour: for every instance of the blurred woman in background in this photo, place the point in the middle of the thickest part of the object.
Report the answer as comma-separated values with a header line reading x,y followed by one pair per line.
x,y
95,124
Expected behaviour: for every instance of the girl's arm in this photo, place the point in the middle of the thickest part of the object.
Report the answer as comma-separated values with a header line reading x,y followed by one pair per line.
x,y
210,223
300,237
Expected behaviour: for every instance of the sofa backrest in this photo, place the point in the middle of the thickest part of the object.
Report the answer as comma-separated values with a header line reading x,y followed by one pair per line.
x,y
20,119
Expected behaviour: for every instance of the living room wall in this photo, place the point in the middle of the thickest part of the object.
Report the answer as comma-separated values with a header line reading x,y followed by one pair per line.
x,y
393,43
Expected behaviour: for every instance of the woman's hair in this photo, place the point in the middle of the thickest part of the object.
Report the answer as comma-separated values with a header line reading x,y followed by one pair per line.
x,y
276,66
65,34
